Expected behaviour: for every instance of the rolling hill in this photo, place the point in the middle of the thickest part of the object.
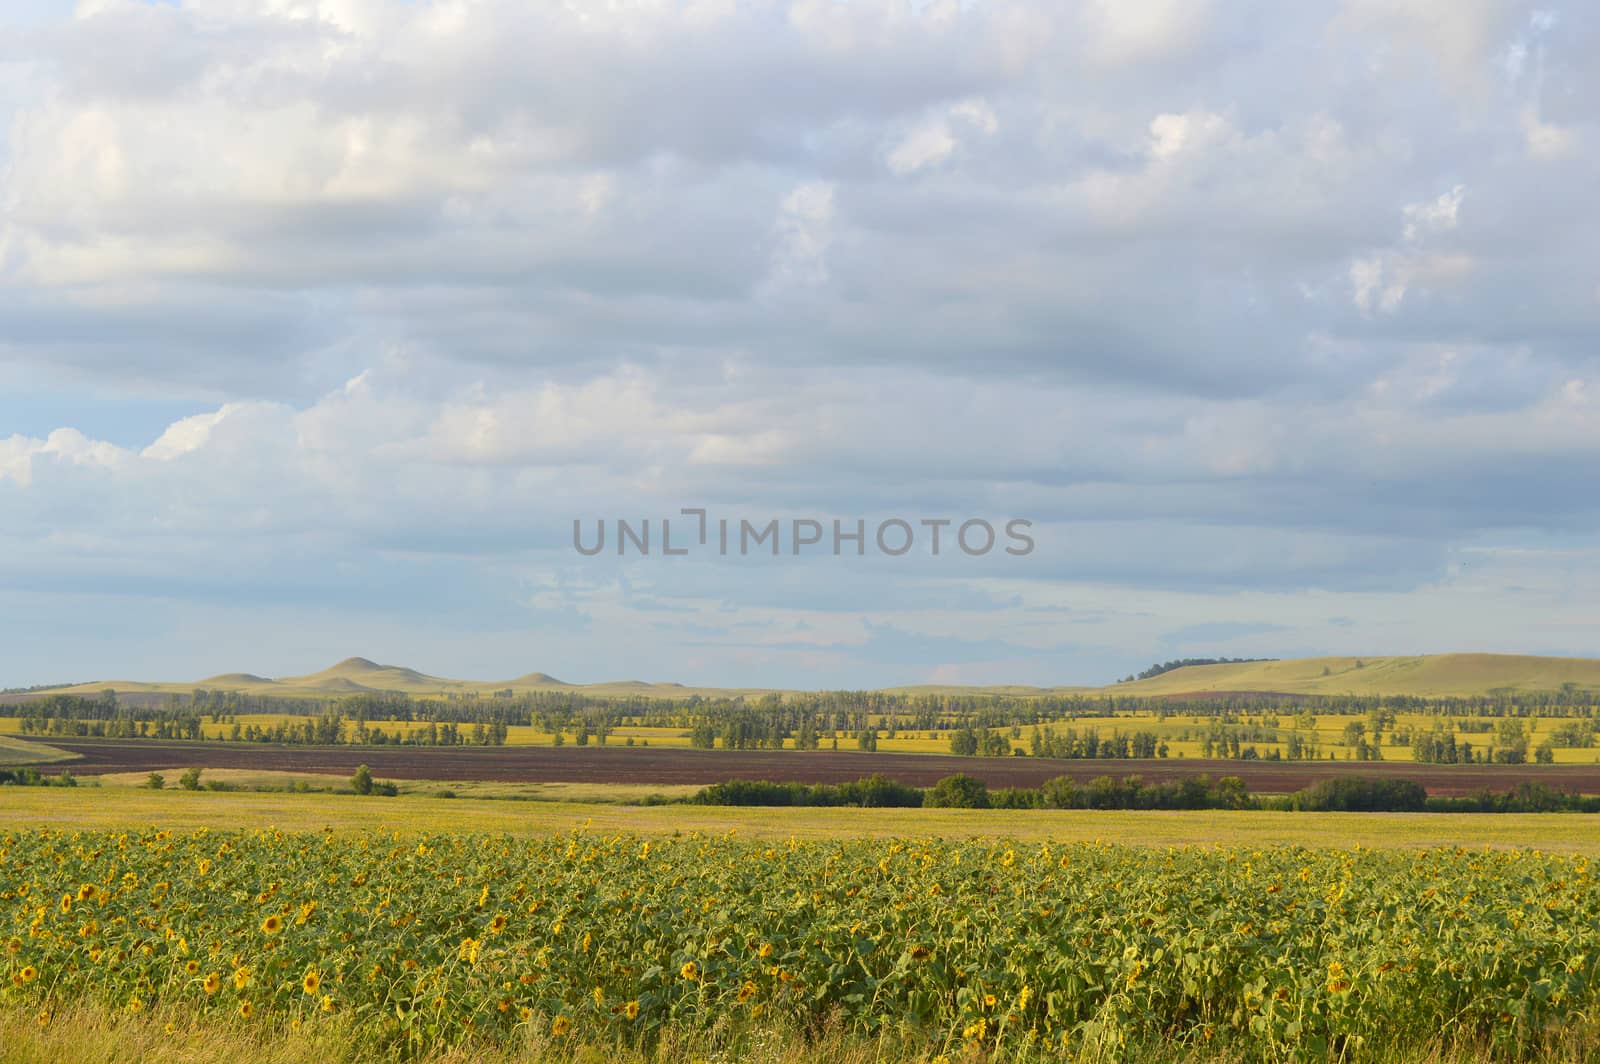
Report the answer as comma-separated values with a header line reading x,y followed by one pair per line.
x,y
1434,675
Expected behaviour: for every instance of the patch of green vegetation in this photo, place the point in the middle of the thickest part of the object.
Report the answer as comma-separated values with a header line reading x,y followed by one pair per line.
x,y
22,752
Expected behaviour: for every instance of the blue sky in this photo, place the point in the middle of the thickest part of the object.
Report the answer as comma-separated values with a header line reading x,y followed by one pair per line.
x,y
320,322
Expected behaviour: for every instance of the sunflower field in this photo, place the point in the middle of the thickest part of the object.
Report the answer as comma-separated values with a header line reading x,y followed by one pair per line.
x,y
957,947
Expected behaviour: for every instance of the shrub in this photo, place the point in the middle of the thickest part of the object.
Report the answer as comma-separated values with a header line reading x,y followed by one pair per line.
x,y
958,792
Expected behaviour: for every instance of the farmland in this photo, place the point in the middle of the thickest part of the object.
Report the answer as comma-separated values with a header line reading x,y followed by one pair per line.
x,y
128,808
417,942
576,923
666,766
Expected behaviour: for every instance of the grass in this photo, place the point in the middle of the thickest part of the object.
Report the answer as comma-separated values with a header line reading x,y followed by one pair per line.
x,y
22,752
267,780
1433,675
95,808
93,1034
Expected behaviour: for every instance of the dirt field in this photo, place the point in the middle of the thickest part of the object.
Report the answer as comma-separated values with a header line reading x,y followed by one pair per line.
x,y
678,766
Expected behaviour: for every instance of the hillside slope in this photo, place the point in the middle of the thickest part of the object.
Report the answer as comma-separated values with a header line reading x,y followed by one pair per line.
x,y
1433,675
1436,675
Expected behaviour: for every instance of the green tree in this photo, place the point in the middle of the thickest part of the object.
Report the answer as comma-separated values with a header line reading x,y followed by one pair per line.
x,y
964,741
958,792
362,780
190,780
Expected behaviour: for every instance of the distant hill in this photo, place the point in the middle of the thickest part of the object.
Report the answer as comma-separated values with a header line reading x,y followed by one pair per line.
x,y
537,679
1436,675
1432,675
354,676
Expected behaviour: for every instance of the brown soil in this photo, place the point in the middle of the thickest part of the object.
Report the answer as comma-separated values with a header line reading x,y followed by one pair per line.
x,y
617,764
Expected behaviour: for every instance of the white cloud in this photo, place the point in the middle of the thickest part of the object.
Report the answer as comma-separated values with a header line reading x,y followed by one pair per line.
x,y
1432,216
805,225
184,437
1545,140
935,139
1379,282
19,455
1171,134
440,275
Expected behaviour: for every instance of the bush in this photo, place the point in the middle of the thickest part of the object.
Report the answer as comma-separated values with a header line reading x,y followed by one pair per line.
x,y
1361,794
190,780
362,780
958,792
155,781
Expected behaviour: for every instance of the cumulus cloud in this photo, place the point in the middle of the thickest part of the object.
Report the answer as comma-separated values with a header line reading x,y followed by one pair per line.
x,y
1242,306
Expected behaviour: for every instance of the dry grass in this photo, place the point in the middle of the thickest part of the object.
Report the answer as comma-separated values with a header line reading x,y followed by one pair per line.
x,y
85,1033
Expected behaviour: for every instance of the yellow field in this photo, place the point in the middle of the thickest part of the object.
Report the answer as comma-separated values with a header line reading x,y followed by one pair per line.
x,y
516,734
1184,735
89,808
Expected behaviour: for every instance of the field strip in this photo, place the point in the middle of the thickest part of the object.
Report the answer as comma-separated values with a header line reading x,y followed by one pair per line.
x,y
105,809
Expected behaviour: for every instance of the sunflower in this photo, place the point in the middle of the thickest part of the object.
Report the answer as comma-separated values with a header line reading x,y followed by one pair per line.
x,y
28,974
689,970
747,991
560,1026
525,1014
245,1009
765,951
498,924
241,978
327,1003
212,984
191,966
86,892
311,981
14,945
920,953
272,924
631,1010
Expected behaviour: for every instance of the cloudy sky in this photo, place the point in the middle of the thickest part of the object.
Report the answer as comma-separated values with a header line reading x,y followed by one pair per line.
x,y
322,320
